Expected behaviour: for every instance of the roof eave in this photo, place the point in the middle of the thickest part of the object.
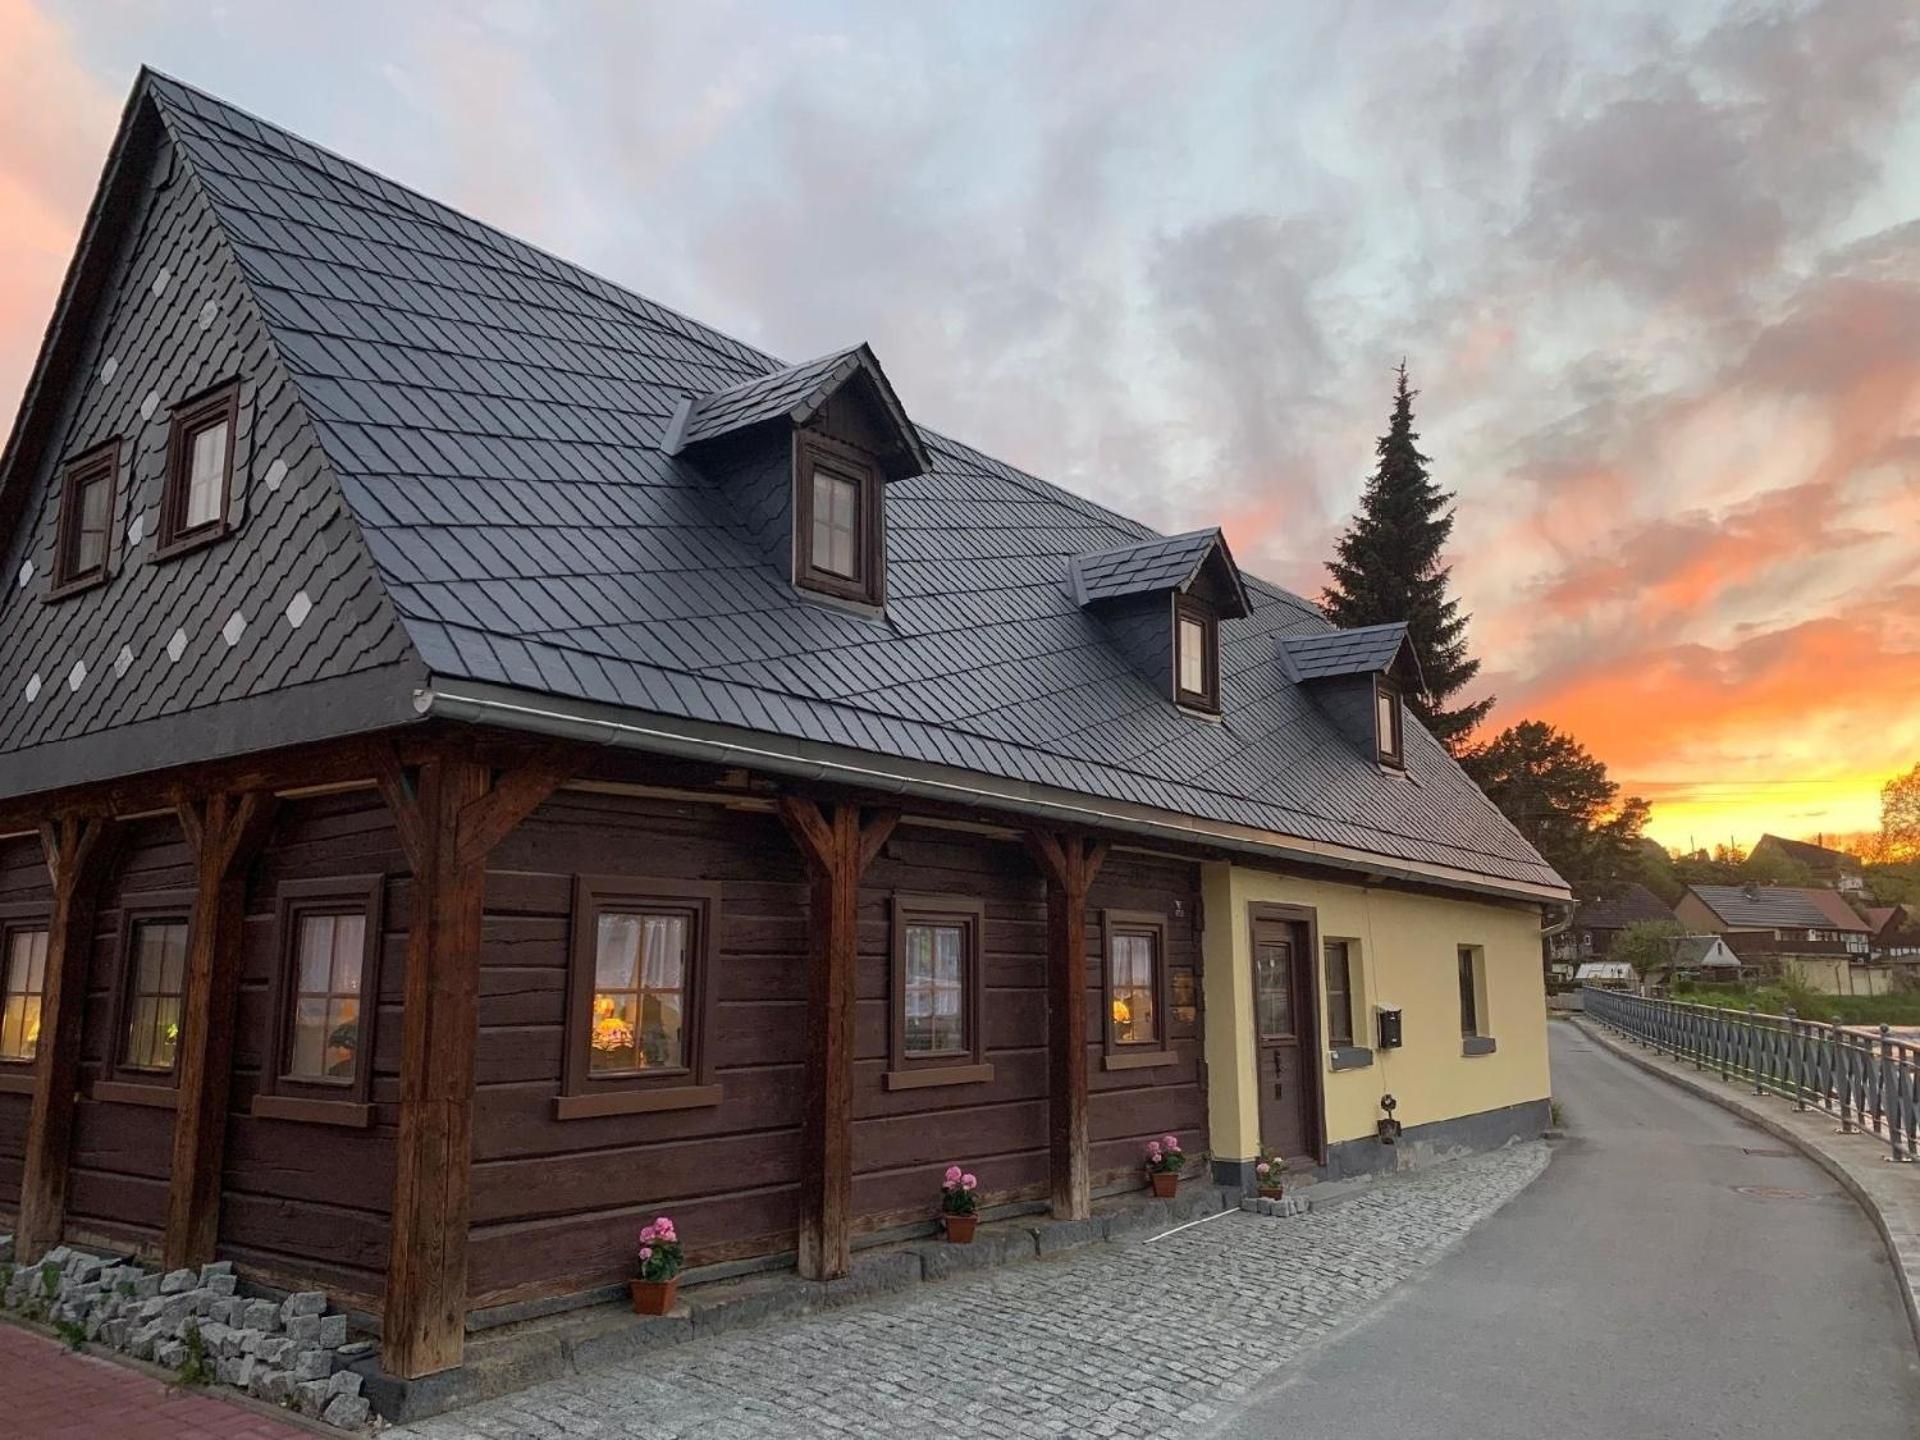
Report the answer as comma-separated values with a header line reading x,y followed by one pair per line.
x,y
479,703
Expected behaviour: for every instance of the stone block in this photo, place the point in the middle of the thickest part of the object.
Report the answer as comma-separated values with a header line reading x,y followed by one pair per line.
x,y
346,1411
175,1308
355,1349
176,1282
312,1364
875,1275
304,1302
276,1387
243,1369
1059,1236
273,1349
146,1285
214,1337
57,1257
991,1248
305,1329
215,1267
311,1396
222,1311
251,1340
170,1355
333,1331
221,1285
344,1382
261,1315
613,1347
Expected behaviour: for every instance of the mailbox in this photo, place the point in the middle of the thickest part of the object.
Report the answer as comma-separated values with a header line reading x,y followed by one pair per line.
x,y
1386,1020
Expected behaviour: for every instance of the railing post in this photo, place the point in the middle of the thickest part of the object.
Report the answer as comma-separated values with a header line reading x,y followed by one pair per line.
x,y
1843,1075
1886,1089
1793,1060
1753,1047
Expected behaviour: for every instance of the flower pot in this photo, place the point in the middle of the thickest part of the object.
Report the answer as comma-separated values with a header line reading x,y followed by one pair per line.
x,y
1165,1183
960,1228
1272,1192
654,1297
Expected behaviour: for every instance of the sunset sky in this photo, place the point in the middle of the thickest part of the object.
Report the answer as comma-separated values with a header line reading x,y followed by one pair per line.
x,y
1654,268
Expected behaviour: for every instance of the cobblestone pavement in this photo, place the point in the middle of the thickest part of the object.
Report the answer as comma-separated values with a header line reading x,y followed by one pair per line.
x,y
1136,1340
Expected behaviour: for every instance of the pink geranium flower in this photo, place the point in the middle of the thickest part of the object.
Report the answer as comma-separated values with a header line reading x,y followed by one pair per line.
x,y
967,1182
1262,1168
953,1174
1172,1142
646,1252
649,1233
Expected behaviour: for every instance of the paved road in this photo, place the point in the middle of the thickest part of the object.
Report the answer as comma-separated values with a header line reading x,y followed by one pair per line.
x,y
1633,1291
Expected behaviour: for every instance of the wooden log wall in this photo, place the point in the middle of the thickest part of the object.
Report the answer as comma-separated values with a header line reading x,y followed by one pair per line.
x,y
556,1204
24,883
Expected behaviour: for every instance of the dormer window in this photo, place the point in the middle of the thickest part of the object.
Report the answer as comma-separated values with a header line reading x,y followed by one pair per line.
x,y
837,545
1196,651
1388,743
86,518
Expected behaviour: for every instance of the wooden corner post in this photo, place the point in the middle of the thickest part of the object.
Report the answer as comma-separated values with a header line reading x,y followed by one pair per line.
x,y
451,811
80,852
225,833
838,847
1070,864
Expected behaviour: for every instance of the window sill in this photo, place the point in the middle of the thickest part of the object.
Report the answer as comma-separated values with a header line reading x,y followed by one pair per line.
x,y
126,1092
1148,1061
186,544
634,1102
17,1081
1349,1057
345,1113
934,1075
1476,1045
67,589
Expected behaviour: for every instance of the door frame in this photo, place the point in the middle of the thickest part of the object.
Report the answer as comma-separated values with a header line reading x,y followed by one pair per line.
x,y
1313,1050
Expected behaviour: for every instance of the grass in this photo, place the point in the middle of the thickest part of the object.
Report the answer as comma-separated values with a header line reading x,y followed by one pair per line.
x,y
1807,1004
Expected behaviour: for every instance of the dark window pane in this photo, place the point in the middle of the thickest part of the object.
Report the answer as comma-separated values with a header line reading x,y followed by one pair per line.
x,y
836,524
1469,999
90,526
1339,993
153,1027
23,972
1131,961
934,989
639,1000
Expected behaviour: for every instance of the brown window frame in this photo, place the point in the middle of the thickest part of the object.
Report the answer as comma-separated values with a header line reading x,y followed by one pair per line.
x,y
324,1102
811,449
968,1064
101,462
584,1095
124,1081
1136,1054
1394,755
190,417
17,1075
1337,1039
1470,964
1186,607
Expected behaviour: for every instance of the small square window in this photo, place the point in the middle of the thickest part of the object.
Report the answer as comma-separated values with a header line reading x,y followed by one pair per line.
x,y
937,992
837,520
193,504
1196,654
639,999
84,538
23,984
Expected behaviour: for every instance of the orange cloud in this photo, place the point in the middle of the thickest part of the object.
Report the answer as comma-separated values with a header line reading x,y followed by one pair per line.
x,y
56,122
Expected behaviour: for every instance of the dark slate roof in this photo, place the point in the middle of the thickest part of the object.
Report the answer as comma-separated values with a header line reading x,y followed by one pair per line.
x,y
794,394
1154,566
494,417
1779,907
1636,902
1334,654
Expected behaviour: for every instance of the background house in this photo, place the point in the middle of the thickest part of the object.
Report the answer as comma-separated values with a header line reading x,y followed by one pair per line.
x,y
1597,923
1835,869
1809,933
1896,931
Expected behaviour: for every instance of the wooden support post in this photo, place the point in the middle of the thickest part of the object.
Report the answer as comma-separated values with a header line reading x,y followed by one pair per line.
x,y
80,853
1070,863
838,848
449,814
225,833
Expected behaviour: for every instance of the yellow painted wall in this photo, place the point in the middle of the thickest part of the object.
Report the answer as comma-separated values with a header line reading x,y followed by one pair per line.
x,y
1405,949
1839,977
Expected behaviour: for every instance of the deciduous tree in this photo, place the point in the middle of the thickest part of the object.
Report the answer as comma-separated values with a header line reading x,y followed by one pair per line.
x,y
1559,796
1900,818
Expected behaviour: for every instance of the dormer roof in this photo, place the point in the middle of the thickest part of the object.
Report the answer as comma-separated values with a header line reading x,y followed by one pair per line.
x,y
1155,566
1344,654
795,395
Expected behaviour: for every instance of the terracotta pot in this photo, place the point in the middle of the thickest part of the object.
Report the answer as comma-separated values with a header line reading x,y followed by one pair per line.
x,y
1272,1192
1165,1183
654,1297
960,1228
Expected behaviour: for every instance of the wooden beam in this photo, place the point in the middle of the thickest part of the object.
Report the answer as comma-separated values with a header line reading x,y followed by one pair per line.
x,y
450,814
1070,864
837,846
80,854
225,833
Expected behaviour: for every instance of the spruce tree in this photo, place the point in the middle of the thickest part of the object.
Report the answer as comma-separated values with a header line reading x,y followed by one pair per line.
x,y
1388,567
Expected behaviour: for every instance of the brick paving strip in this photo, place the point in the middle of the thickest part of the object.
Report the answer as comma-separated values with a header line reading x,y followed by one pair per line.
x,y
1141,1339
1888,1192
48,1392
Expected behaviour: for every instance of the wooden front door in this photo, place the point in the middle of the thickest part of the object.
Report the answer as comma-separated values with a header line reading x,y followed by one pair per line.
x,y
1286,1039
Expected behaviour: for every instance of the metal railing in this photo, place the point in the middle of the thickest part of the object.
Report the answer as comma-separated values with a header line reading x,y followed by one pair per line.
x,y
1867,1082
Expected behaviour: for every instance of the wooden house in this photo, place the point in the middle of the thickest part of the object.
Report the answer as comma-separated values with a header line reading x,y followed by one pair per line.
x,y
484,758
